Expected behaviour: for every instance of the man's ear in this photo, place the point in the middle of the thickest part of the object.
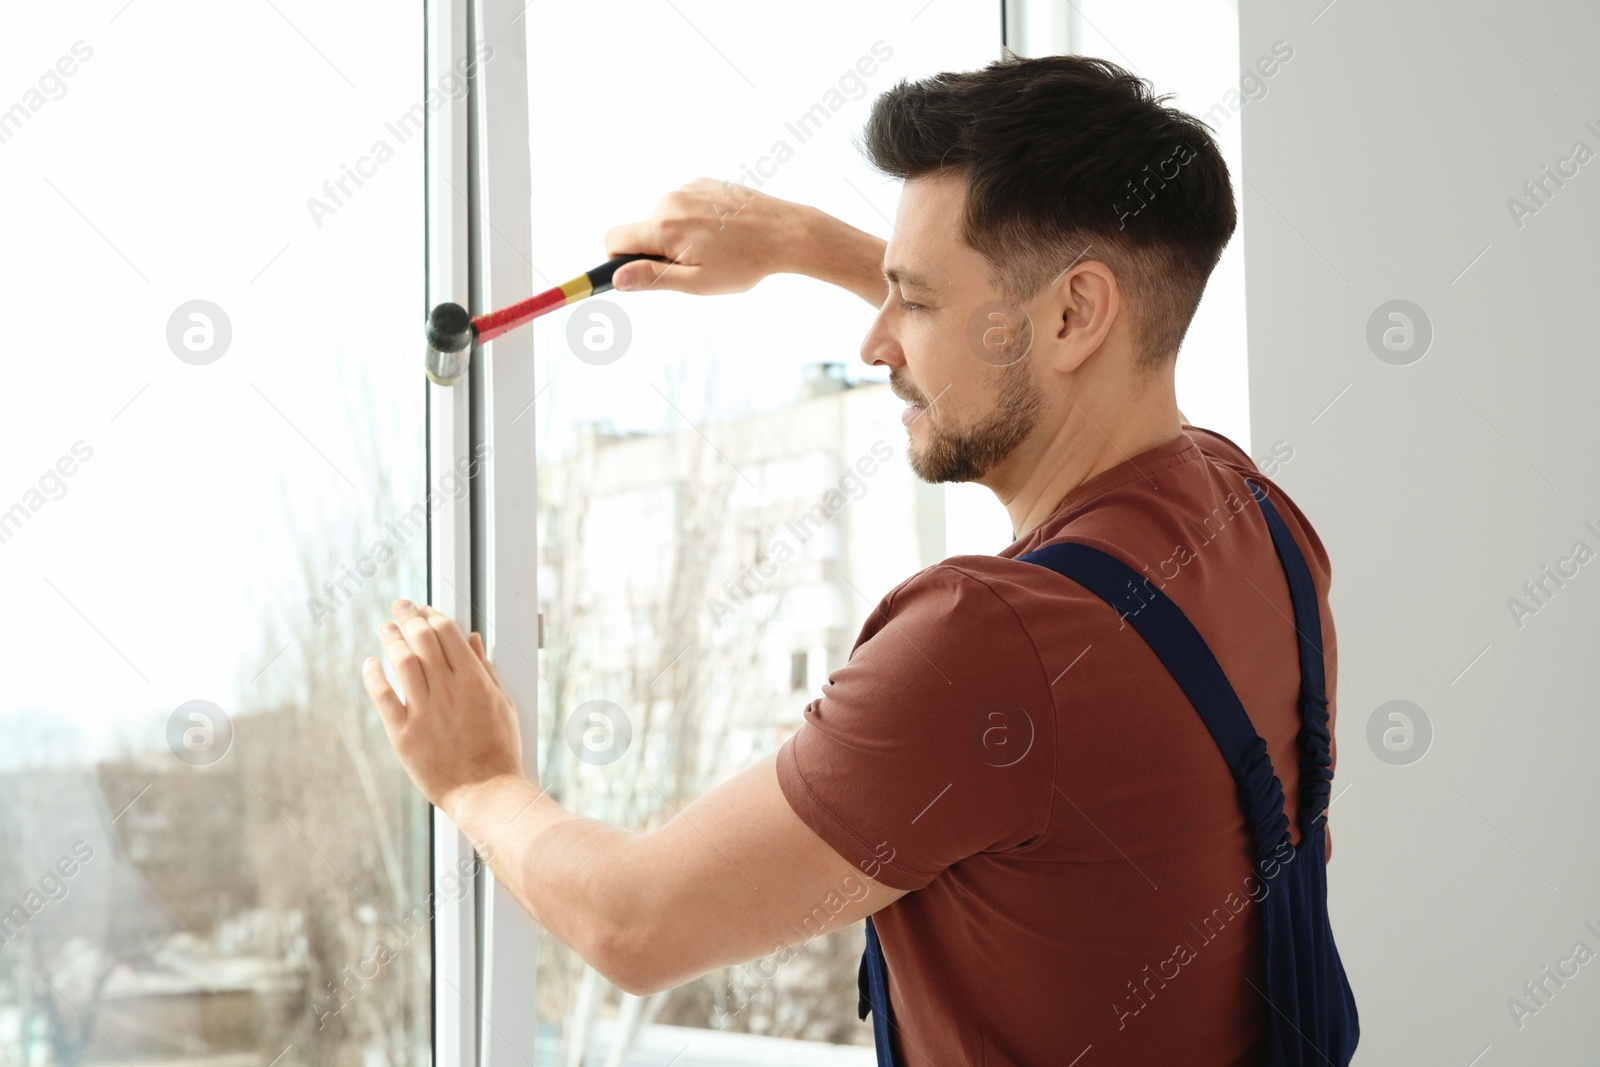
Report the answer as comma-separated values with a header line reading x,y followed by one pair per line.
x,y
1088,300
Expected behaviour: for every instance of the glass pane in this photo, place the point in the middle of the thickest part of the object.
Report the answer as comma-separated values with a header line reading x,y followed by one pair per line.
x,y
212,487
671,467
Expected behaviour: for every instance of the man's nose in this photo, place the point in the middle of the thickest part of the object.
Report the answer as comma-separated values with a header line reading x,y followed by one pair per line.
x,y
879,348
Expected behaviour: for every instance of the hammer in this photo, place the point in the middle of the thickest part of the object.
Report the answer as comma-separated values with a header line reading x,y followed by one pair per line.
x,y
452,332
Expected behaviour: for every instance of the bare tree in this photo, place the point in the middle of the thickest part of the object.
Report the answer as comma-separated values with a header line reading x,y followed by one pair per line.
x,y
337,833
685,686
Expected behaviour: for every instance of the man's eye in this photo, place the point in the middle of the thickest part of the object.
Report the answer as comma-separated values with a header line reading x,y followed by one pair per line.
x,y
906,305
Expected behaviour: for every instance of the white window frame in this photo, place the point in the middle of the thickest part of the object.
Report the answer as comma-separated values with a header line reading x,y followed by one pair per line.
x,y
1041,27
481,548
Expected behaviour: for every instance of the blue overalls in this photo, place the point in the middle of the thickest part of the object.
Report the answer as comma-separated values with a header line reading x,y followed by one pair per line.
x,y
1311,1013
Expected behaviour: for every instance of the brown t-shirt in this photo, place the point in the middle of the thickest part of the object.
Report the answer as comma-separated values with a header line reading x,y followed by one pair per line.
x,y
1005,746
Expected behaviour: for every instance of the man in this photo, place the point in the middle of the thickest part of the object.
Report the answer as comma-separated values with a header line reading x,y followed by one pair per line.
x,y
1061,858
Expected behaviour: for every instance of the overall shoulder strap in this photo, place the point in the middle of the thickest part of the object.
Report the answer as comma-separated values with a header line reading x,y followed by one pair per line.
x,y
1312,1018
1187,658
1305,980
1316,761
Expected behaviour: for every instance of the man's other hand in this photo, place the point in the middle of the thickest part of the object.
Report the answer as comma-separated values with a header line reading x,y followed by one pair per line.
x,y
457,728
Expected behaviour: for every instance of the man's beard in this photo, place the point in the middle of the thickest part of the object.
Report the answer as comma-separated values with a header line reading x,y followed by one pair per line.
x,y
967,454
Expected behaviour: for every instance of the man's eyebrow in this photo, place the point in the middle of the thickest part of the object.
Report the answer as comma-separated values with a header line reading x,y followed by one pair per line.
x,y
907,279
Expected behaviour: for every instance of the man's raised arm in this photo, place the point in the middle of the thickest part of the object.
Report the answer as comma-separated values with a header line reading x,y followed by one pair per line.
x,y
724,238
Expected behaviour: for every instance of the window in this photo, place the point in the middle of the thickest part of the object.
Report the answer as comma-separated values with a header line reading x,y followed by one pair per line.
x,y
211,854
743,413
211,503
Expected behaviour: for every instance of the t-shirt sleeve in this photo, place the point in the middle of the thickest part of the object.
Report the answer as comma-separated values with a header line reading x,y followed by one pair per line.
x,y
935,742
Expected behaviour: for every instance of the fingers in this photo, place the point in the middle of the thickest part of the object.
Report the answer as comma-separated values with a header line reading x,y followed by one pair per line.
x,y
420,637
390,710
643,237
633,276
642,275
407,667
483,657
647,238
425,641
456,650
720,238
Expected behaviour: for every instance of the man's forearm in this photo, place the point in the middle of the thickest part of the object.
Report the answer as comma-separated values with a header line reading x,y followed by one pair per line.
x,y
550,860
732,876
836,252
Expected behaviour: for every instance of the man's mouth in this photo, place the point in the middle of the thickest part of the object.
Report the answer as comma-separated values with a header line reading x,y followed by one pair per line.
x,y
913,409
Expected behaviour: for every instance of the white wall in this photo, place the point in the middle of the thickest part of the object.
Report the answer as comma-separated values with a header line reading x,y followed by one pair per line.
x,y
1379,168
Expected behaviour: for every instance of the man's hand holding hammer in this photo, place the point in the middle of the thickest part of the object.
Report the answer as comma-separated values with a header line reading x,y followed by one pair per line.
x,y
724,238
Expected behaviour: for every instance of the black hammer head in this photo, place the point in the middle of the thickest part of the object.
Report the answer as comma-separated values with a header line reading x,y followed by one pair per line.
x,y
450,337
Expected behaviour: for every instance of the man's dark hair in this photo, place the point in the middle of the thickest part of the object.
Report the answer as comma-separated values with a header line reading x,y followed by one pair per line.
x,y
1068,158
